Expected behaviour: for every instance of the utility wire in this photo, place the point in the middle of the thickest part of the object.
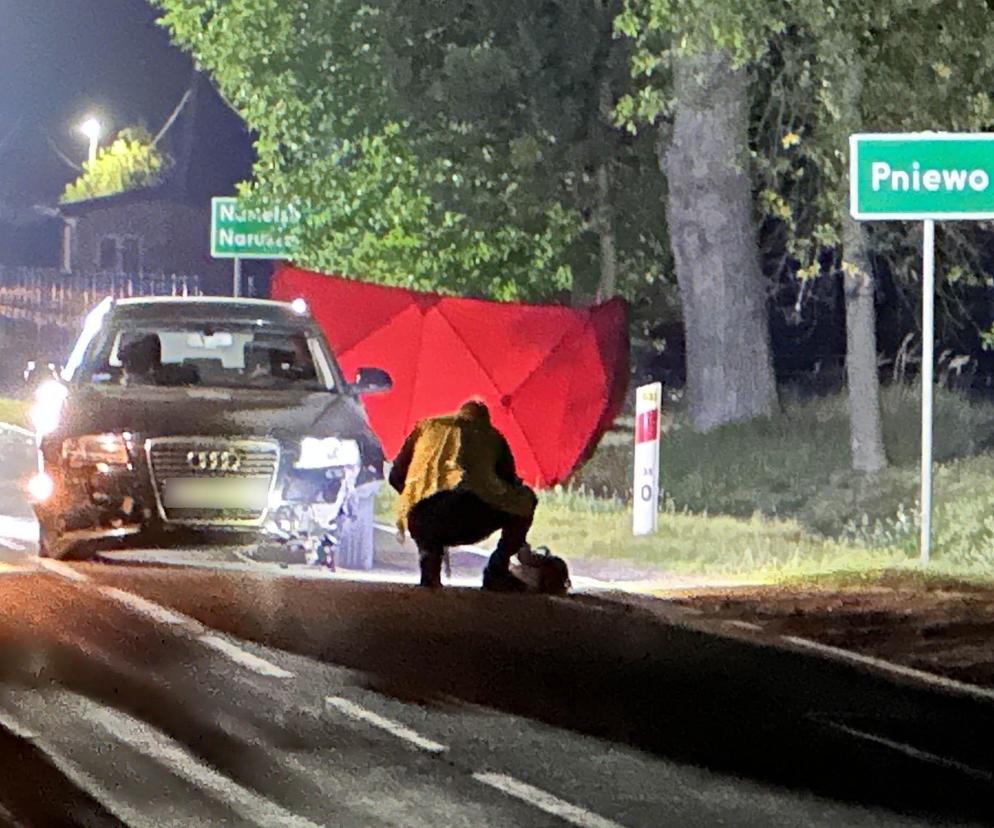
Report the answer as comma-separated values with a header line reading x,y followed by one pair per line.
x,y
5,141
62,156
169,121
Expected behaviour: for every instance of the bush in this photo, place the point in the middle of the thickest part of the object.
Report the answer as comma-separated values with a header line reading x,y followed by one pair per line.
x,y
796,465
962,519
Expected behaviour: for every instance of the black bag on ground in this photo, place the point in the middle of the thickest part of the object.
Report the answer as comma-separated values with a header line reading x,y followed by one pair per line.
x,y
542,572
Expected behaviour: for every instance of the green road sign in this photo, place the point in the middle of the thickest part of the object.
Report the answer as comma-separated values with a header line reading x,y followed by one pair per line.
x,y
251,234
921,175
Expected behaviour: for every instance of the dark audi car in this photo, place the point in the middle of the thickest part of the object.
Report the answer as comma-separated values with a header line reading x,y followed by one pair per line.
x,y
185,420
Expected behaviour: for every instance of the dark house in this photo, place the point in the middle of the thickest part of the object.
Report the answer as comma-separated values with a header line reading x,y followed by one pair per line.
x,y
165,229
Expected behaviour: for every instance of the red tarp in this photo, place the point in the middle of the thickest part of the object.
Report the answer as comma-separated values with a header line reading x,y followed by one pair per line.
x,y
554,377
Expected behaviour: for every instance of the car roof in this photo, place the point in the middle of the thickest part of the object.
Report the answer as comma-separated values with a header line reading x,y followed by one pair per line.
x,y
211,308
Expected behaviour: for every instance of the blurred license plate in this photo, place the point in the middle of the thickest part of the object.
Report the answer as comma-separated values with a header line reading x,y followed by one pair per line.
x,y
215,493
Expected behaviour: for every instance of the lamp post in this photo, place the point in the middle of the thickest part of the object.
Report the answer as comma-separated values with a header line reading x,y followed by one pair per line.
x,y
91,129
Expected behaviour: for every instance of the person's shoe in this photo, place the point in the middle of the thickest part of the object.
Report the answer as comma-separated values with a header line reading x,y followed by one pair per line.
x,y
497,581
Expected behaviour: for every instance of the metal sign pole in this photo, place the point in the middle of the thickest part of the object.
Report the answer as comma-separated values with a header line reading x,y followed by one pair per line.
x,y
236,278
928,342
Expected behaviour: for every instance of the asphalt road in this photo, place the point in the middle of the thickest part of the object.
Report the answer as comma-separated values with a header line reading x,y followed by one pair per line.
x,y
179,696
381,705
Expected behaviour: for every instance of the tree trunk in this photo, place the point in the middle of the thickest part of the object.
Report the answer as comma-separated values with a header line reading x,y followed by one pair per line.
x,y
608,282
713,235
866,437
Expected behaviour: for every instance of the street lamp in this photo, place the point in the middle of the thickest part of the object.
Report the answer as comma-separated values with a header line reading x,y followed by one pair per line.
x,y
91,129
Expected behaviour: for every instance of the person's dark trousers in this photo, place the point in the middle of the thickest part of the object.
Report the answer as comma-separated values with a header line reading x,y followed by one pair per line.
x,y
457,517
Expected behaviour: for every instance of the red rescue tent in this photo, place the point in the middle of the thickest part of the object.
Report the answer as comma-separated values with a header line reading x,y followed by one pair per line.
x,y
554,377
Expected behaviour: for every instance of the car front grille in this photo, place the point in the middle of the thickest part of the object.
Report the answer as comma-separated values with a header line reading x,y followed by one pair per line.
x,y
209,470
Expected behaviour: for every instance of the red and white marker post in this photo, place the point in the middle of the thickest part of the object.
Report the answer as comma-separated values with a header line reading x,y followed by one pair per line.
x,y
645,487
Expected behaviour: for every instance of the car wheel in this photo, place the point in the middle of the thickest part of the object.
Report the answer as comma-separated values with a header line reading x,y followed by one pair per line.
x,y
355,539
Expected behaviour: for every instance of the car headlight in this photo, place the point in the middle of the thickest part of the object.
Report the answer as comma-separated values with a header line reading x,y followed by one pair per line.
x,y
100,450
321,453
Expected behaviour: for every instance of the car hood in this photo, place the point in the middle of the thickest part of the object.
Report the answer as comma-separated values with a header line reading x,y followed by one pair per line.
x,y
160,412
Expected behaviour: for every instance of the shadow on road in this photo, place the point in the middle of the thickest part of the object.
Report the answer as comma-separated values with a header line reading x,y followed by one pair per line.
x,y
620,673
36,793
55,640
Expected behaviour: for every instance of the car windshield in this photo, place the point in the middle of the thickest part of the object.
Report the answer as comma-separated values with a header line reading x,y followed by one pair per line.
x,y
199,355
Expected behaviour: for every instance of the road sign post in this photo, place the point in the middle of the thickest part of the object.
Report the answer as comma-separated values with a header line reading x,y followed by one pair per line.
x,y
645,488
928,346
926,176
238,233
236,277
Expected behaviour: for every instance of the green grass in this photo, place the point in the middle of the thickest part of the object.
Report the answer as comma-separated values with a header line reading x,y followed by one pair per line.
x,y
908,577
797,465
578,526
776,499
14,411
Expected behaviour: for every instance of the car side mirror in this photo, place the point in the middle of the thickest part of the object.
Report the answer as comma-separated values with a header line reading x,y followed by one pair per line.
x,y
371,381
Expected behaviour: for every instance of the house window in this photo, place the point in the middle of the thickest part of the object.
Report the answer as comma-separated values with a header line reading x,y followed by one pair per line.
x,y
131,255
108,253
120,254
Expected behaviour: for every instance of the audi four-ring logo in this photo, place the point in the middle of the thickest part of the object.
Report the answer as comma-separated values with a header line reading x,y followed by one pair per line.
x,y
225,461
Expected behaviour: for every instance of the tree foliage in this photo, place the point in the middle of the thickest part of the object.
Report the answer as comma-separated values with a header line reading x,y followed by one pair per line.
x,y
384,197
898,66
129,163
821,70
520,95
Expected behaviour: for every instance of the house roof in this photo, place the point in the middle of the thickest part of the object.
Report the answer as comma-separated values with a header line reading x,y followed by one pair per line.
x,y
212,150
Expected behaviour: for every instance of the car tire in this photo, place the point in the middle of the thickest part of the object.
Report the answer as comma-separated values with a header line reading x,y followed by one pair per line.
x,y
355,539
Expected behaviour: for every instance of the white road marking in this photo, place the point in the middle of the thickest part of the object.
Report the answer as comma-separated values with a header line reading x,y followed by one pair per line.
x,y
683,610
75,774
63,570
148,608
744,625
19,529
545,801
890,667
172,755
159,613
244,658
16,429
355,711
909,750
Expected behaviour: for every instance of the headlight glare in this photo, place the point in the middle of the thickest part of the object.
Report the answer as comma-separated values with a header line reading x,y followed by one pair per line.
x,y
321,453
47,409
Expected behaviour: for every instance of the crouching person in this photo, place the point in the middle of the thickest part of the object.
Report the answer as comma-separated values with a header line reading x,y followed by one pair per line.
x,y
457,483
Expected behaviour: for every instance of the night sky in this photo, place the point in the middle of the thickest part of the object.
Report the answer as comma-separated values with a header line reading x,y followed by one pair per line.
x,y
61,60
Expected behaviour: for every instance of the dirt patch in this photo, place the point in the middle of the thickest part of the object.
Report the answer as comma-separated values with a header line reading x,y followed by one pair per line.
x,y
944,627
